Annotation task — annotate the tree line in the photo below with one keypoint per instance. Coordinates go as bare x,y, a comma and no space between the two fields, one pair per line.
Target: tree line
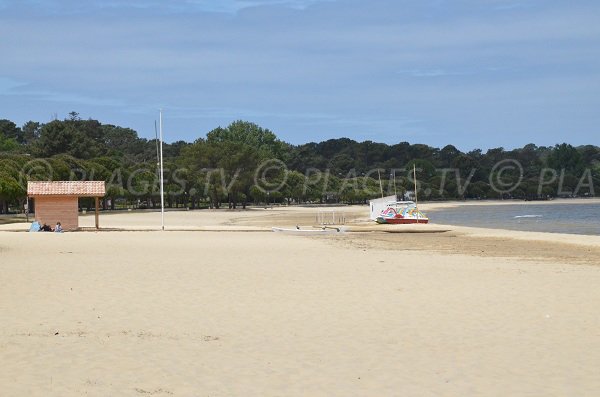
244,163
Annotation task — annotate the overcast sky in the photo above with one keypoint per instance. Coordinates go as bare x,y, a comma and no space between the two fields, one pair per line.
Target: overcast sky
472,73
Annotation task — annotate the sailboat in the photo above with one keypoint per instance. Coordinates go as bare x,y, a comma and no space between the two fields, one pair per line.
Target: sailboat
397,212
401,212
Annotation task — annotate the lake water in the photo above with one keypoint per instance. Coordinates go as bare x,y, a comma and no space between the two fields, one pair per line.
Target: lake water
552,218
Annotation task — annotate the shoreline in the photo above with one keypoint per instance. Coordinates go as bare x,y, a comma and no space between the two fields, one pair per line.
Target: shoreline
262,219
472,241
432,206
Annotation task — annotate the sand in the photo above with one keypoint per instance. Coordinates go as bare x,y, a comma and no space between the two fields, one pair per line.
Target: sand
241,311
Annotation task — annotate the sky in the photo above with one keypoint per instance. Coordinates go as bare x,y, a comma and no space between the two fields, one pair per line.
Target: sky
471,73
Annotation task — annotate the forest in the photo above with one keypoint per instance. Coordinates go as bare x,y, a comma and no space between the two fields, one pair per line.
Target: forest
244,164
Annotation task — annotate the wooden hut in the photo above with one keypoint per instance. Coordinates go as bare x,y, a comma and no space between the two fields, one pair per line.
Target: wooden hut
58,201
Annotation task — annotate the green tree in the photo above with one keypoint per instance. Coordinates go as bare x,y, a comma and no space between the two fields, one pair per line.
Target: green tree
9,130
249,134
565,156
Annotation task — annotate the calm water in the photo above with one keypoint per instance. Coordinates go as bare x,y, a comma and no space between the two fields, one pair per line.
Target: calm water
553,218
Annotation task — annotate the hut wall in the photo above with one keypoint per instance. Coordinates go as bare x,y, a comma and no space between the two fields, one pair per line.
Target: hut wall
54,209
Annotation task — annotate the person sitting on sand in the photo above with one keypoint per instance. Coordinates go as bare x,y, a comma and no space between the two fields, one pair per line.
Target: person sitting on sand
46,228
58,228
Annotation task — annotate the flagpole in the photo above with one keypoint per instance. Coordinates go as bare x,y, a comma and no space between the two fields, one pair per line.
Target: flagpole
416,198
162,191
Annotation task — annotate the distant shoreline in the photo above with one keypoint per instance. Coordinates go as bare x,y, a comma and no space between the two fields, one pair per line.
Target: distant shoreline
425,205
435,205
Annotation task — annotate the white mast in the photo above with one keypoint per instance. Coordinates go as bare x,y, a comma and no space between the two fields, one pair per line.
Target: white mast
416,199
162,191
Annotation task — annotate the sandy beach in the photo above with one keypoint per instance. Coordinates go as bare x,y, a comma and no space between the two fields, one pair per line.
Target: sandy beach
218,305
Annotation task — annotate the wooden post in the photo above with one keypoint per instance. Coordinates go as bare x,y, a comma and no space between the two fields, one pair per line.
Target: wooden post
97,209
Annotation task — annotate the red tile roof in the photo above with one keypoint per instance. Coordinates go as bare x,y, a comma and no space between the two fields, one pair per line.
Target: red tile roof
67,188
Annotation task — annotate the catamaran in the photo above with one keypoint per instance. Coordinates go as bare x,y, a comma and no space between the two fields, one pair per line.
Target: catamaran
401,212
388,210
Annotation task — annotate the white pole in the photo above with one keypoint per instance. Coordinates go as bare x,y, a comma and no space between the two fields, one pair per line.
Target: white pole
416,198
162,189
